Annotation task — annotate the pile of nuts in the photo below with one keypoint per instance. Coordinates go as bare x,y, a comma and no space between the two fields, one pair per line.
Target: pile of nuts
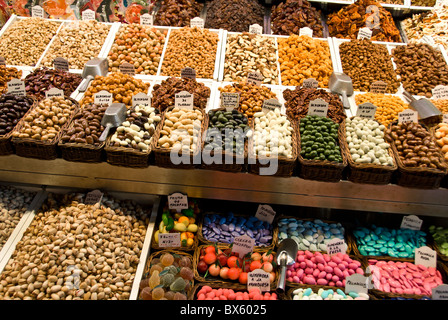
139,45
423,3
122,86
420,67
302,57
6,75
44,121
248,52
251,96
366,62
13,204
441,104
43,79
399,2
24,42
12,109
86,125
234,15
138,129
74,251
163,94
190,47
77,42
297,102
289,16
177,13
441,135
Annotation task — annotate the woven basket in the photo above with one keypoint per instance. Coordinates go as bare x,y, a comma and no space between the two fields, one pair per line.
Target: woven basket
162,156
203,240
322,170
45,150
286,166
416,177
367,172
238,161
235,287
289,294
158,254
444,182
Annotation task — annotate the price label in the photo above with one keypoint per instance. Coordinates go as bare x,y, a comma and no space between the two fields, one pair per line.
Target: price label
2,61
258,279
335,246
177,201
60,63
93,197
306,32
445,118
426,257
243,245
255,78
103,97
37,12
230,100
318,107
54,92
366,110
127,68
310,83
411,222
147,19
256,29
408,115
364,33
440,92
184,100
16,87
197,22
357,283
141,99
88,15
378,87
265,213
188,72
440,292
169,240
270,105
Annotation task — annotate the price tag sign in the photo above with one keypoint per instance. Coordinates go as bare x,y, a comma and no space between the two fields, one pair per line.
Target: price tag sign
88,15
188,73
141,99
230,100
184,100
270,105
177,201
54,92
306,32
197,22
37,12
445,118
364,33
103,97
378,87
127,68
440,92
411,222
366,110
169,240
258,279
147,19
16,87
310,83
243,245
318,107
335,246
255,78
426,257
357,283
93,197
408,115
2,61
256,29
60,63
440,292
265,213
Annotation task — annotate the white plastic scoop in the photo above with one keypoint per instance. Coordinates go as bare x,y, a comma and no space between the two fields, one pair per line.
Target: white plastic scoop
286,256
114,116
341,83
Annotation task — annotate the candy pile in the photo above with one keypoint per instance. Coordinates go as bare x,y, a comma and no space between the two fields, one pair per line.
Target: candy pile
329,294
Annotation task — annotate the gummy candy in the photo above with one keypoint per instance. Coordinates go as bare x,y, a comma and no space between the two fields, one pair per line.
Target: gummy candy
158,293
185,262
154,280
178,285
167,279
179,296
146,293
171,269
167,259
169,295
186,273
158,267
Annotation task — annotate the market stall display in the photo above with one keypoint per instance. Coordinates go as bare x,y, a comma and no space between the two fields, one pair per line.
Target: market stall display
177,13
6,75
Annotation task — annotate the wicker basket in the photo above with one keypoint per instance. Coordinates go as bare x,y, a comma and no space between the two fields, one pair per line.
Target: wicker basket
322,170
162,156
417,177
238,161
286,166
233,286
289,294
444,182
367,172
45,150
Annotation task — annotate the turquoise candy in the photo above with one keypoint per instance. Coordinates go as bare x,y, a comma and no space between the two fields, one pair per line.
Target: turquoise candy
403,255
398,245
307,292
391,253
362,251
325,294
383,250
353,294
339,291
390,243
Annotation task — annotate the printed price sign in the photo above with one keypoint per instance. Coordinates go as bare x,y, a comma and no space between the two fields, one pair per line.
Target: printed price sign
141,99
54,92
440,92
426,257
230,100
243,245
256,29
265,213
169,240
378,87
408,115
306,32
335,246
440,292
60,63
364,33
357,283
258,279
103,97
197,22
16,87
184,100
188,73
147,19
93,197
177,201
2,61
411,222
318,107
310,83
88,15
366,110
270,105
255,78
37,12
127,68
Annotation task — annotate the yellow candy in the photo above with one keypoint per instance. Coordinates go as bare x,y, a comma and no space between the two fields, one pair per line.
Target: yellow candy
184,220
180,227
190,242
156,236
192,228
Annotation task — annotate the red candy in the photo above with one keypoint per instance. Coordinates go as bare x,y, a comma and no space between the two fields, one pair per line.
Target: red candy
208,293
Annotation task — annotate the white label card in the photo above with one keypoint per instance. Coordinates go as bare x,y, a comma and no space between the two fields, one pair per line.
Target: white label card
230,100
265,213
103,97
188,72
364,33
318,107
357,283
440,92
88,15
440,292
270,105
54,92
310,83
93,197
141,99
60,63
16,87
177,201
426,257
378,87
197,22
2,61
169,240
258,279
306,32
37,12
127,68
408,115
255,78
366,110
335,246
147,19
184,100
411,222
256,29
243,245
